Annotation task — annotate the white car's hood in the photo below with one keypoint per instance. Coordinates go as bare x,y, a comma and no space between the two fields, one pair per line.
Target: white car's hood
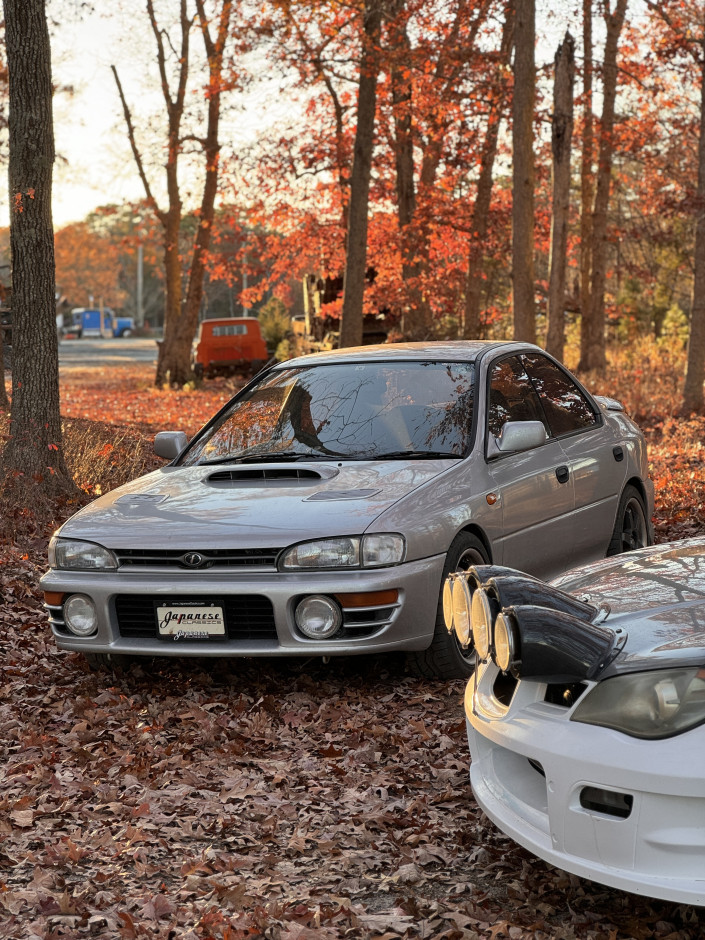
248,505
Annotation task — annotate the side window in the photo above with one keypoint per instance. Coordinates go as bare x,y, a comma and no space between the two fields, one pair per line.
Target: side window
512,396
567,409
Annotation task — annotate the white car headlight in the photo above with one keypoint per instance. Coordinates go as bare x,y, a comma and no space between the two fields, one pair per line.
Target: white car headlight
658,704
368,551
78,555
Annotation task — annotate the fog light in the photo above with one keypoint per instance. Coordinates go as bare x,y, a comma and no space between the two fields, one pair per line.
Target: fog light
80,615
318,618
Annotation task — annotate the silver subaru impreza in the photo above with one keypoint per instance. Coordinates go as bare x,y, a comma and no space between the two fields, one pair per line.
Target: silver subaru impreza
319,512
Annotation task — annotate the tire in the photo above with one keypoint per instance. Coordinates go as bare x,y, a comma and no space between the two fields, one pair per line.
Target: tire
445,658
100,662
631,529
198,370
125,334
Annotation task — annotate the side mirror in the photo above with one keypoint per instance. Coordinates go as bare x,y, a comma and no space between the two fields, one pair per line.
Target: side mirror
169,444
519,435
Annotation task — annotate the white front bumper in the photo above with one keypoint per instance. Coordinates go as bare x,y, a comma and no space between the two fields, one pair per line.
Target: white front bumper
657,851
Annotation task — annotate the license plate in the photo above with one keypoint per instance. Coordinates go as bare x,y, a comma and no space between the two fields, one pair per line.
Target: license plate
190,621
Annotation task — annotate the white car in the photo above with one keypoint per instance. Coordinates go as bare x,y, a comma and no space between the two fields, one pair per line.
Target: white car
586,714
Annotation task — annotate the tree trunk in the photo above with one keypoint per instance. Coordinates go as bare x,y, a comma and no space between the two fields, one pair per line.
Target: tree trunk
356,261
562,133
595,350
181,314
587,185
479,224
4,402
35,445
178,360
523,173
695,369
413,317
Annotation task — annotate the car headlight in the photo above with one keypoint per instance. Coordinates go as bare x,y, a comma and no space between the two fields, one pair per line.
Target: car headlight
367,551
657,704
79,555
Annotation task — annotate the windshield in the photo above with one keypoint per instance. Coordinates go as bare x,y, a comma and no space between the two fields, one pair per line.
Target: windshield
362,411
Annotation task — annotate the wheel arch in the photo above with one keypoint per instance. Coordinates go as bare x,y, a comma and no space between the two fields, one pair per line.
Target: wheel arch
479,533
638,485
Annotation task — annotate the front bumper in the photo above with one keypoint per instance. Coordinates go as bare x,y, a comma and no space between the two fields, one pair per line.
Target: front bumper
532,770
406,624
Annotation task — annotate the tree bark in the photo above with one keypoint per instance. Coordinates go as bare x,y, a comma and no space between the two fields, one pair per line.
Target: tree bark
594,357
4,401
523,173
356,260
695,369
35,446
587,183
479,223
562,133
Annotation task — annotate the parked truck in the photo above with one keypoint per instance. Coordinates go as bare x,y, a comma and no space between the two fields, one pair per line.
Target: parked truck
93,322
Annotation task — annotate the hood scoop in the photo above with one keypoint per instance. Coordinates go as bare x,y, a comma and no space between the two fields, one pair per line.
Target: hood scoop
268,476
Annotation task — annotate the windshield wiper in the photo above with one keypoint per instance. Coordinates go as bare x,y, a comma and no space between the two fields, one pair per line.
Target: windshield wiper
274,456
415,455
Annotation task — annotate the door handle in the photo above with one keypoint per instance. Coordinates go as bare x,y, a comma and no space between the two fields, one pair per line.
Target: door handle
562,474
618,453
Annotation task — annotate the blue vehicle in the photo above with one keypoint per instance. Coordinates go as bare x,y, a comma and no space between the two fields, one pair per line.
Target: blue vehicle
93,322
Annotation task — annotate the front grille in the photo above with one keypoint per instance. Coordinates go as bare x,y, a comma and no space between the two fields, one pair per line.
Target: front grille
212,558
247,616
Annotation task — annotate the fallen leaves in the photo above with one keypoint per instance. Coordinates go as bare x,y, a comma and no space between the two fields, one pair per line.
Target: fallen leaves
258,799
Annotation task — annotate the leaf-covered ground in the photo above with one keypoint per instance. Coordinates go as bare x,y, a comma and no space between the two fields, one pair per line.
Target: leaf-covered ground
259,799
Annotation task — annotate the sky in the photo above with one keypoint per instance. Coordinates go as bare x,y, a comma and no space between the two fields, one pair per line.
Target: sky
94,163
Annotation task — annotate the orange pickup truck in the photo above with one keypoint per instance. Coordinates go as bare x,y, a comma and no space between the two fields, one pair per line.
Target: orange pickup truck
231,344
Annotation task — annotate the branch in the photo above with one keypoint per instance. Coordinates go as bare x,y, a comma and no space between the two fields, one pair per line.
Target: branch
135,152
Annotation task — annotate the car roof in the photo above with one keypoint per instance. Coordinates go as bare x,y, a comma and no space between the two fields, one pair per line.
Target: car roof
444,351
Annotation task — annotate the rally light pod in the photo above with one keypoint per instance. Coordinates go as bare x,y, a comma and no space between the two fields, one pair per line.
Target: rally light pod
553,646
515,589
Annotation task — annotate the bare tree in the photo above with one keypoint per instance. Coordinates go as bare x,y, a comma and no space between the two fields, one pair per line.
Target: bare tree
182,306
523,172
35,446
356,261
562,133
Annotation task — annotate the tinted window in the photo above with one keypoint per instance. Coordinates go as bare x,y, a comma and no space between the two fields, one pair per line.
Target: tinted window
360,410
512,396
567,409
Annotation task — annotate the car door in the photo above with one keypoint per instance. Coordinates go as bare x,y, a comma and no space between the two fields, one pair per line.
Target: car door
534,487
595,456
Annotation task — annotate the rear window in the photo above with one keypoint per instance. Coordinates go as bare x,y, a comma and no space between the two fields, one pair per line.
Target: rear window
230,329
